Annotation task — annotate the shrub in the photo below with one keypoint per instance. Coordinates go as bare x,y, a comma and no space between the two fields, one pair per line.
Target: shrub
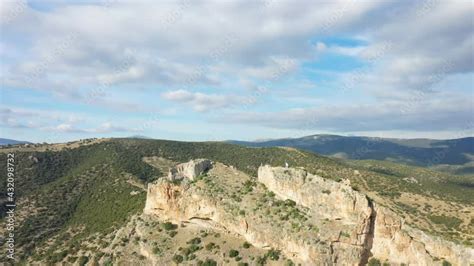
208,262
233,253
374,262
446,263
273,254
195,241
210,246
246,245
83,260
169,226
178,258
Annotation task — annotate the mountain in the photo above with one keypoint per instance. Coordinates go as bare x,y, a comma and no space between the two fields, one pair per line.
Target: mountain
455,155
12,142
143,202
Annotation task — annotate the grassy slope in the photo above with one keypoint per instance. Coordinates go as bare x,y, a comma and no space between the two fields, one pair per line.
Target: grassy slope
85,187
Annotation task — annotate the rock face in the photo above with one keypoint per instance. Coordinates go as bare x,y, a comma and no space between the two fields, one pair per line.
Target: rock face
384,233
337,201
189,170
351,228
397,242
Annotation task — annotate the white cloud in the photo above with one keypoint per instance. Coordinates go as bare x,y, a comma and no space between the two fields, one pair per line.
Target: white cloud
186,46
440,113
201,102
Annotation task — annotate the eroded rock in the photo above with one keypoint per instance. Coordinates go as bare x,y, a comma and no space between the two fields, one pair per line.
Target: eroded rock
351,228
189,170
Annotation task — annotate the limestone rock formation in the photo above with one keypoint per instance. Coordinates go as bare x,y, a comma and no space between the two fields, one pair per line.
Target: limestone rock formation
189,170
312,220
384,233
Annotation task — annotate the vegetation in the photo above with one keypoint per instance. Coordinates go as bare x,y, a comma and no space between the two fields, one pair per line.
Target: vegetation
88,189
374,262
233,253
448,221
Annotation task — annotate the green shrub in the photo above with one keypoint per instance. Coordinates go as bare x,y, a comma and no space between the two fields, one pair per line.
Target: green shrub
178,258
83,260
233,253
169,226
195,241
446,263
374,262
273,254
210,246
208,262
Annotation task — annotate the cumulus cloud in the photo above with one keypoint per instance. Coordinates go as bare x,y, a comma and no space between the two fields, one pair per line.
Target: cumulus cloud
185,46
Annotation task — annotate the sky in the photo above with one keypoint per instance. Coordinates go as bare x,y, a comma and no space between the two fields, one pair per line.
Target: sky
246,70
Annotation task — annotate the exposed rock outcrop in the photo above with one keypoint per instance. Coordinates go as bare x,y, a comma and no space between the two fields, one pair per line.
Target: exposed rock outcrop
189,170
384,233
350,227
397,242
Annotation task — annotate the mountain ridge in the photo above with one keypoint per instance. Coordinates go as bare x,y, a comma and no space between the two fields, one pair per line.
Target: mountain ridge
455,155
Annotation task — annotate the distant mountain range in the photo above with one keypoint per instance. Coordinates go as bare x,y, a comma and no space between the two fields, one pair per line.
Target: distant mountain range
11,142
455,155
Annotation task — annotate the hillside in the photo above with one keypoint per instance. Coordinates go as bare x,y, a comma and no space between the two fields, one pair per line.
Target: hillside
75,200
12,142
455,156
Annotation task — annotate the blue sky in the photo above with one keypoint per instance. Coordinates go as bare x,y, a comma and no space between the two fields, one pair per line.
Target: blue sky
215,70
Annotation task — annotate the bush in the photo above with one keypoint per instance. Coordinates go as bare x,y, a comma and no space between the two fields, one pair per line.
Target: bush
446,263
273,254
374,262
169,226
178,258
233,253
210,246
246,245
208,262
194,241
83,260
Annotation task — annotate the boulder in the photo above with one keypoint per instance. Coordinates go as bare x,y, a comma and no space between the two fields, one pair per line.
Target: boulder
189,170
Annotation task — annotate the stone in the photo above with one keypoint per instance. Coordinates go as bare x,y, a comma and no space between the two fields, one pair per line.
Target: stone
189,170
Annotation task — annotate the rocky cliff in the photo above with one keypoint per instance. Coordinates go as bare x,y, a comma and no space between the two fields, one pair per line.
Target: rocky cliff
189,170
383,232
312,220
